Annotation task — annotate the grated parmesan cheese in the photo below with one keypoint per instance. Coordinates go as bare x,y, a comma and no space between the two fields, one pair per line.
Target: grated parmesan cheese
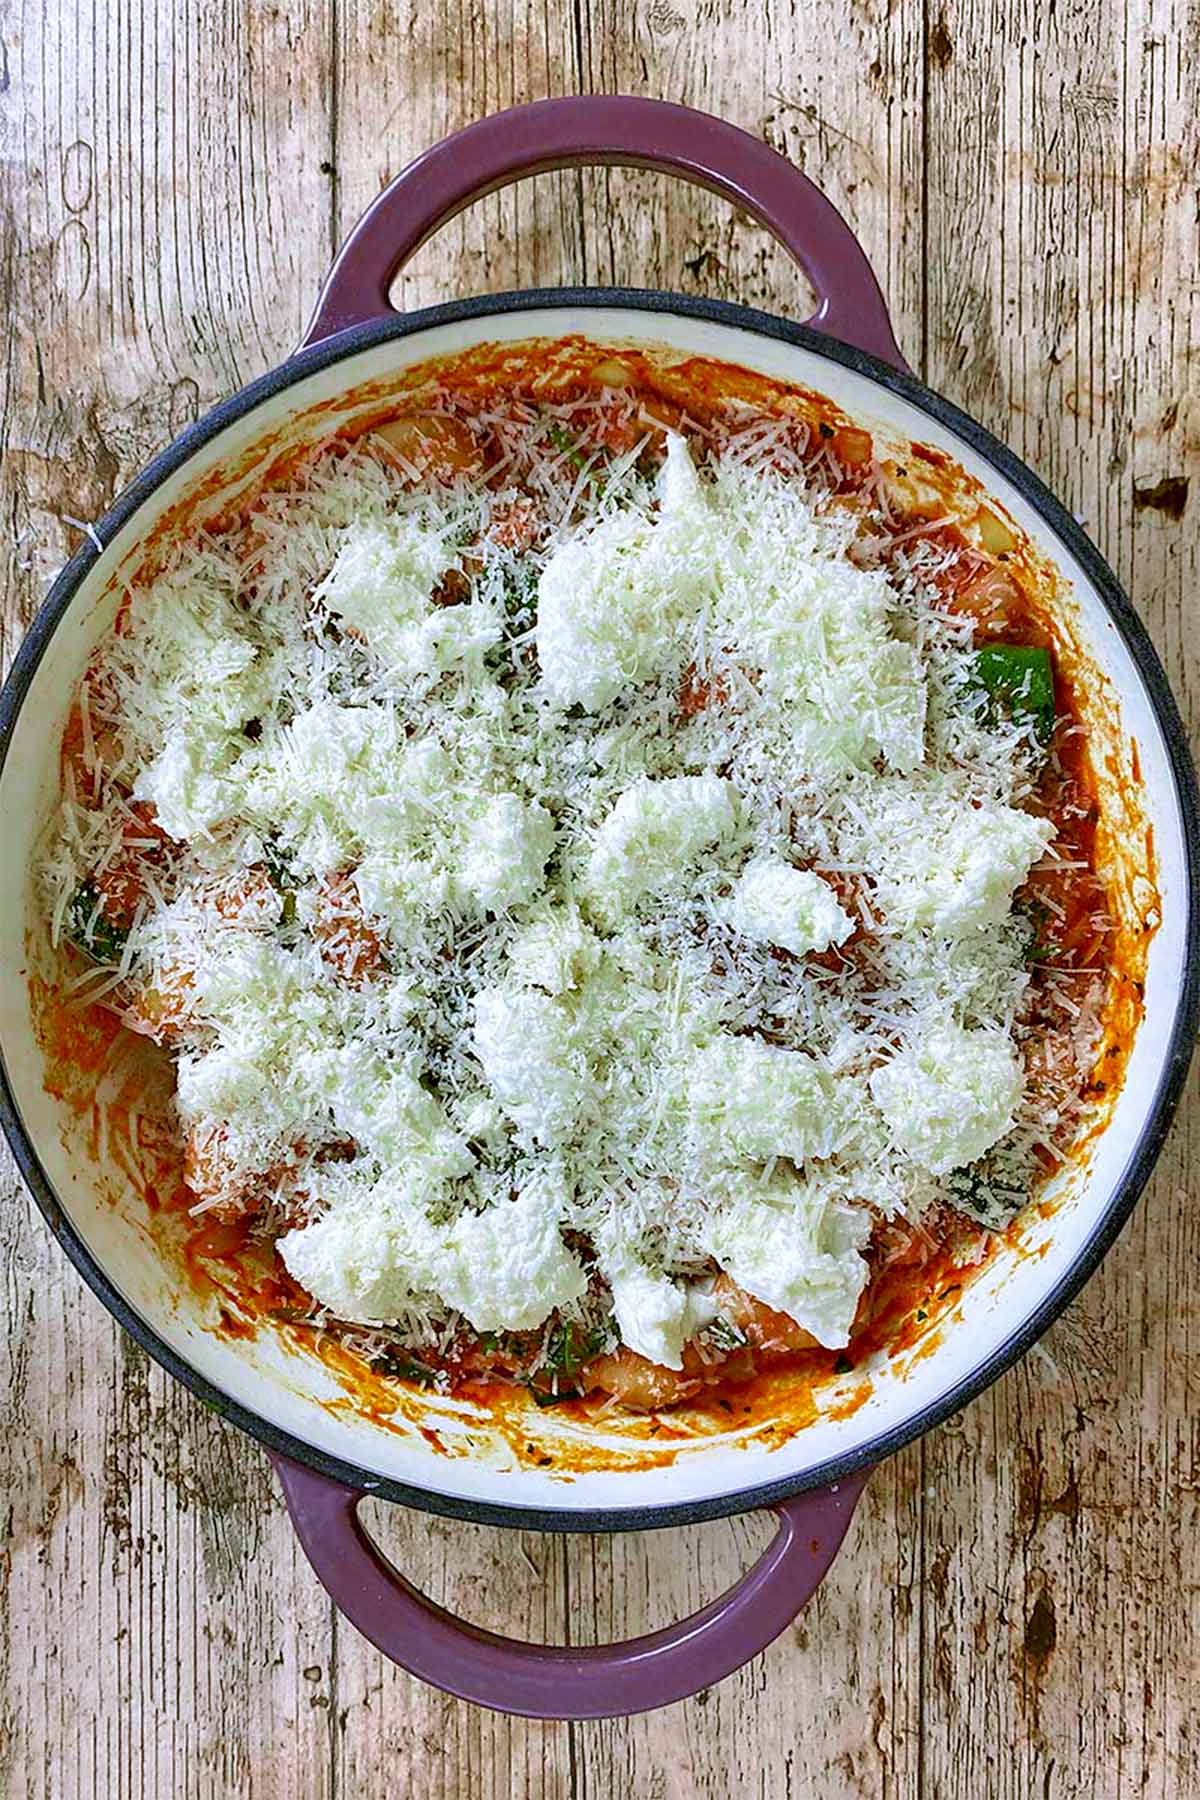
653,836
525,1043
937,860
550,997
751,1099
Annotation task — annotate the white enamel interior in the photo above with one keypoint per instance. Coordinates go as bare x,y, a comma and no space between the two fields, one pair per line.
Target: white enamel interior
286,1389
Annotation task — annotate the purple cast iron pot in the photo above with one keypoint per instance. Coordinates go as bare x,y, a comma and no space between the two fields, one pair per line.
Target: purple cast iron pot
326,1462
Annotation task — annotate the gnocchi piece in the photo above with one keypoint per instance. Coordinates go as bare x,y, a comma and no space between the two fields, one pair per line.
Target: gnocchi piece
160,1010
348,941
220,1180
646,1386
515,525
431,444
765,1329
641,1384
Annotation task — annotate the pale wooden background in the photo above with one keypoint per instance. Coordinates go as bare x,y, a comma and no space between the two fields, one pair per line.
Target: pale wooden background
1016,1612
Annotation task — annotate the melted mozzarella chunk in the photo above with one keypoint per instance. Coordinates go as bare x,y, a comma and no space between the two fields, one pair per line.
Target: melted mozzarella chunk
506,1268
393,1118
835,687
203,679
200,668
773,903
656,1316
320,780
655,834
754,1099
948,1094
611,600
367,1257
555,951
265,1007
598,631
507,848
193,783
381,587
384,574
939,862
375,1255
794,1245
526,1045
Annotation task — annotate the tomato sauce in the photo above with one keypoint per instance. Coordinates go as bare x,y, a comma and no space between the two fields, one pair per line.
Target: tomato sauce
917,1274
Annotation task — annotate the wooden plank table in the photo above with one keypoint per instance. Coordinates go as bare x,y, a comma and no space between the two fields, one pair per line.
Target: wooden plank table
1016,1613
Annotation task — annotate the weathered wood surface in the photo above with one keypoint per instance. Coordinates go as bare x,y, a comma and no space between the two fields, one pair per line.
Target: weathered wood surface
1016,1612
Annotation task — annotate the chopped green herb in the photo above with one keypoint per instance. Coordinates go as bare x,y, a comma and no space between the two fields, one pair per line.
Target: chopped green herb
90,928
1022,676
548,1397
568,1347
278,863
1035,917
401,1367
1035,913
564,442
519,588
843,1366
509,659
722,1334
987,1194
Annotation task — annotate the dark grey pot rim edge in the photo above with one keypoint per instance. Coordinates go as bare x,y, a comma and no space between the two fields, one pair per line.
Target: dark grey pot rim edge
1144,1151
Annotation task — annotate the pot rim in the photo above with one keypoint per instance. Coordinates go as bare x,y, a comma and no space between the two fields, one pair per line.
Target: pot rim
1143,1152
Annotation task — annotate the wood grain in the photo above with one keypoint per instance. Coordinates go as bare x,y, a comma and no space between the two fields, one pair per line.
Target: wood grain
1063,309
1016,1612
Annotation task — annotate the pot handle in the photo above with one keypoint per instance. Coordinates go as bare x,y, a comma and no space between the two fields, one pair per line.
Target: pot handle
608,128
545,1681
